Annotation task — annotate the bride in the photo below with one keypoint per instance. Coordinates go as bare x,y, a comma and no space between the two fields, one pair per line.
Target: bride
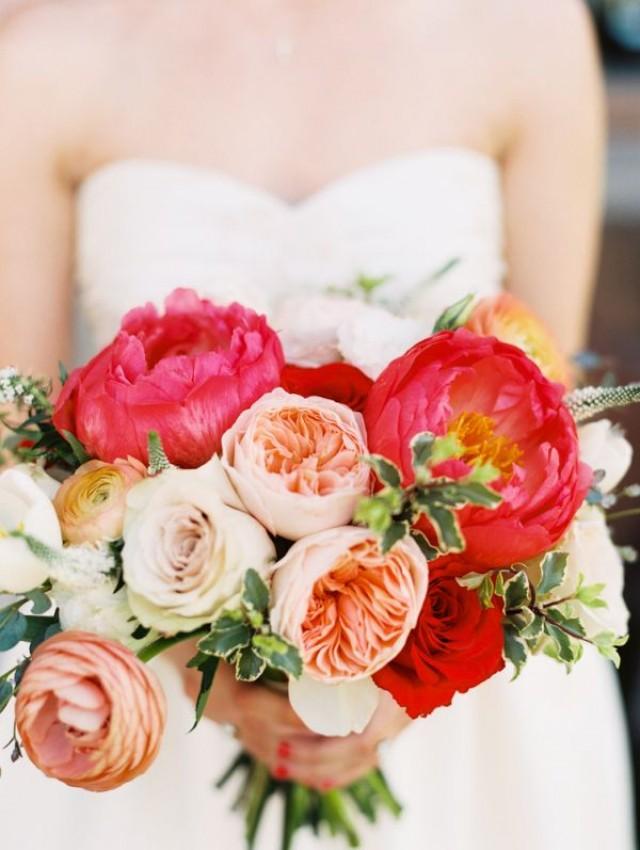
258,148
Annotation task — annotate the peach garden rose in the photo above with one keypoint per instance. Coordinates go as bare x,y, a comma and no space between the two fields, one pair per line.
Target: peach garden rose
89,713
349,609
91,503
296,463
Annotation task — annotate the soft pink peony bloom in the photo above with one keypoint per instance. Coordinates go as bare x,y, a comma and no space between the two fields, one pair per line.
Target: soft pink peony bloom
296,462
91,503
89,713
348,607
504,413
186,374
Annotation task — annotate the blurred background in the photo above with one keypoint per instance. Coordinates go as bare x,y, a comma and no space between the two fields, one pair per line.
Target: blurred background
615,325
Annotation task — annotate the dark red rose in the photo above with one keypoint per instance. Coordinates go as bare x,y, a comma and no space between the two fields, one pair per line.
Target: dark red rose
456,646
338,381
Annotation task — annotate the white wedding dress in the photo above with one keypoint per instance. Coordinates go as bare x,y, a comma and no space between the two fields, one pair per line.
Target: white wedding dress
540,764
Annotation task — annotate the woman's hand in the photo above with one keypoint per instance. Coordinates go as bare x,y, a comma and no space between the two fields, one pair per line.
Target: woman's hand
268,728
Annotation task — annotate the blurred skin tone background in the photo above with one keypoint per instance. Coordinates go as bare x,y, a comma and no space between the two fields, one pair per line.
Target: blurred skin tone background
615,324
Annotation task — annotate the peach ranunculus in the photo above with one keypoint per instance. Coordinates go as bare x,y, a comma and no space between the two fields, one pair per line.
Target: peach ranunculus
91,503
89,713
349,609
296,463
508,319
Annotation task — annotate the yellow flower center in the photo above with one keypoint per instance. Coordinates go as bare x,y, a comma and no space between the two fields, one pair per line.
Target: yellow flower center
481,446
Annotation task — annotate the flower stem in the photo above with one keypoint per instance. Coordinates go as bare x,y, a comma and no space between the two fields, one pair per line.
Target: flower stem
163,644
6,675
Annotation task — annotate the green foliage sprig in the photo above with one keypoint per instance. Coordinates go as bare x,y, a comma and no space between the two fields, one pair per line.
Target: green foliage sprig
394,510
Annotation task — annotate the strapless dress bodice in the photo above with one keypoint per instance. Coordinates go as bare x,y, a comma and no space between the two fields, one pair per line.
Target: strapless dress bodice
147,226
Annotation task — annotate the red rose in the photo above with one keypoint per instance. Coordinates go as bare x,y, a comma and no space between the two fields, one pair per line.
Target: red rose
338,381
456,646
186,374
504,412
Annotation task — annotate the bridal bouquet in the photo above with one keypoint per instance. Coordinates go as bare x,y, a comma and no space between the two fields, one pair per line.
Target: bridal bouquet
331,525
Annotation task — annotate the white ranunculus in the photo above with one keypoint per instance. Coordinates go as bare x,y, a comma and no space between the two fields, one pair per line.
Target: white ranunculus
334,710
25,507
186,552
592,553
604,446
372,339
45,482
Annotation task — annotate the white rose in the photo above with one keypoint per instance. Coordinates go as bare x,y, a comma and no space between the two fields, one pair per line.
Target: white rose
371,340
592,553
36,473
604,446
309,326
186,552
24,506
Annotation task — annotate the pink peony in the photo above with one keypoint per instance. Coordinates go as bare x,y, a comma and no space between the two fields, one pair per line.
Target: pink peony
186,374
89,713
504,413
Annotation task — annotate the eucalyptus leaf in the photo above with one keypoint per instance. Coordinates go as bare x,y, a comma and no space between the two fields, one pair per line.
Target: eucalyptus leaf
13,626
40,601
6,692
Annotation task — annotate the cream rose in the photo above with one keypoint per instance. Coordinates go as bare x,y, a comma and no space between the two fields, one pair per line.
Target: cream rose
592,553
296,463
604,446
25,507
91,503
186,552
349,609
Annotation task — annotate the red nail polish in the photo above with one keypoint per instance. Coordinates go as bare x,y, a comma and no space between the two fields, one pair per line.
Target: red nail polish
284,749
327,785
281,772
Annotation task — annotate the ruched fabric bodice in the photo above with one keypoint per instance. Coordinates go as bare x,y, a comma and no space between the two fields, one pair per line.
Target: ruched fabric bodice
145,227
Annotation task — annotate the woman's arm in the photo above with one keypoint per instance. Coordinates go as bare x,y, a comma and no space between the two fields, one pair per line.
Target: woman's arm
554,164
35,209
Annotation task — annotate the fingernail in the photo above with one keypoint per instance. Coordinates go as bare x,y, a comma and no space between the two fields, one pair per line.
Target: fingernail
327,785
284,749
281,772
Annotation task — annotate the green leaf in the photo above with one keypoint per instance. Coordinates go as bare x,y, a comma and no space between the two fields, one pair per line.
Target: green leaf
514,649
225,640
397,531
572,623
430,552
208,669
13,626
79,451
249,666
562,642
516,591
446,526
387,472
279,654
590,595
63,373
607,643
486,592
373,512
40,600
36,630
533,629
499,589
446,448
6,692
483,473
472,581
478,494
456,315
421,448
554,567
256,592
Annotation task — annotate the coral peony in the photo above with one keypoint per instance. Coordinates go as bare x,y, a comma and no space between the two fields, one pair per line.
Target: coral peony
456,645
338,381
508,319
504,414
186,374
89,712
